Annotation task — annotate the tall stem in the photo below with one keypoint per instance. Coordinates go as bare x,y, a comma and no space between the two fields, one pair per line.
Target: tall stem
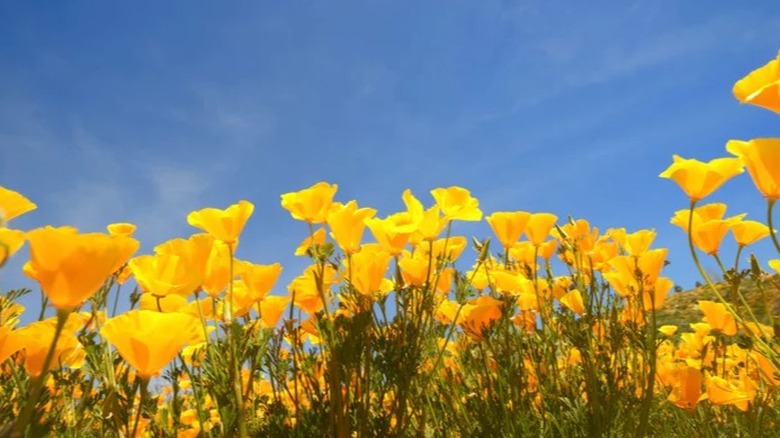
772,232
235,365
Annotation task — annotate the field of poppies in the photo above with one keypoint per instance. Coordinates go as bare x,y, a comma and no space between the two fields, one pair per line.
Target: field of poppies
550,331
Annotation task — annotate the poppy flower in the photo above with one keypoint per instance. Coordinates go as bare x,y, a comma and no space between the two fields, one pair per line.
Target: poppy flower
149,340
225,225
312,204
347,223
71,267
13,204
457,203
762,159
761,87
508,226
698,179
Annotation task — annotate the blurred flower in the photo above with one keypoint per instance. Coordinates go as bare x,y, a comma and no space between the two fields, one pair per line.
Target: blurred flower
10,242
722,392
121,229
762,159
573,301
317,238
10,342
761,87
718,317
13,204
686,386
479,315
38,337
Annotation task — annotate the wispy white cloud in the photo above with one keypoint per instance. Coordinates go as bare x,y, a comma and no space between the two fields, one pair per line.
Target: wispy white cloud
590,44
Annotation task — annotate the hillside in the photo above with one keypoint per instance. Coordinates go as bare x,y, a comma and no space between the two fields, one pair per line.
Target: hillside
681,308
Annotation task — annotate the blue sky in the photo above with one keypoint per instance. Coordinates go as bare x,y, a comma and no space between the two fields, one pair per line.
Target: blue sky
145,111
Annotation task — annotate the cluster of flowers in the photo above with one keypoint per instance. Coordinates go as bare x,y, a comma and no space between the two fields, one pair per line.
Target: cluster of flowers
200,308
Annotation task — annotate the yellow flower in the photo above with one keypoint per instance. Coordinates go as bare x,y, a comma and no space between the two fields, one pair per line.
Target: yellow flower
13,204
10,242
445,248
709,235
762,159
479,315
457,203
654,298
312,204
761,87
271,309
165,304
523,252
719,317
9,312
635,243
10,342
697,179
225,225
69,266
317,238
722,392
366,271
573,300
347,223
260,279
707,226
149,340
430,223
217,275
508,226
748,232
37,338
538,227
242,302
393,232
195,251
774,264
304,288
165,274
121,229
686,386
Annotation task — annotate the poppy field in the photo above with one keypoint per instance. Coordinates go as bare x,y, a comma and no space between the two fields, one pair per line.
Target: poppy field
550,330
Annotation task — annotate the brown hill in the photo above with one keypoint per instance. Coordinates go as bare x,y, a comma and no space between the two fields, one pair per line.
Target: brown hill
761,295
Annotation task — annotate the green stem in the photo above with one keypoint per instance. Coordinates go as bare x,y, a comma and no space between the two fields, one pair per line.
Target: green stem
144,393
772,232
765,349
234,346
